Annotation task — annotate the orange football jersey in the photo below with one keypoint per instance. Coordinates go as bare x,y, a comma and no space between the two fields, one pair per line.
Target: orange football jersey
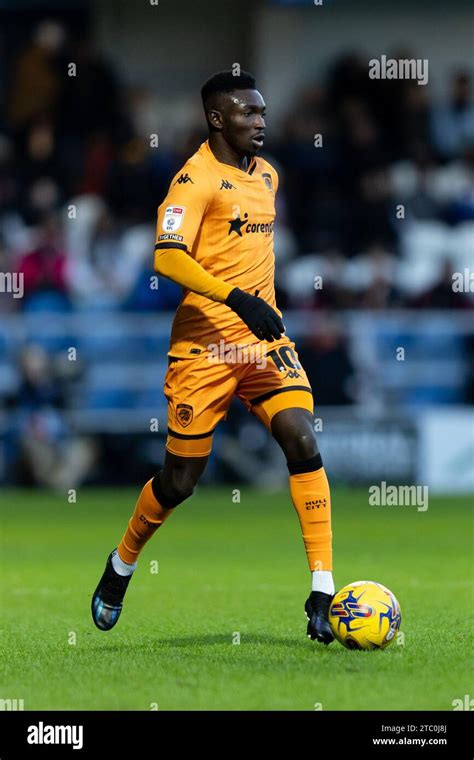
224,218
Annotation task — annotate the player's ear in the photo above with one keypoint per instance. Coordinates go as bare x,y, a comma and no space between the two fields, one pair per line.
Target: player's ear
215,118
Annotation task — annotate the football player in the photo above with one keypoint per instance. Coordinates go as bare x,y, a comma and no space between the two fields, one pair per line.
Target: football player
215,238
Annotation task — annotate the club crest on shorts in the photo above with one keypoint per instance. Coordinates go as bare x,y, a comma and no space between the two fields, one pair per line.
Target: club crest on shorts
184,413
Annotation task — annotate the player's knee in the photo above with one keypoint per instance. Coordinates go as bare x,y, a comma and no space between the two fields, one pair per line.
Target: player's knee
301,445
182,489
171,488
180,484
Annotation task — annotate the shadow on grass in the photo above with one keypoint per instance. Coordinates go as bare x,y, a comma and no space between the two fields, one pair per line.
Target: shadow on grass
212,640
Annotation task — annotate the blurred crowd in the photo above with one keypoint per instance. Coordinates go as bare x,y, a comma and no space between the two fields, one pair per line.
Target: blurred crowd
42,446
375,213
382,211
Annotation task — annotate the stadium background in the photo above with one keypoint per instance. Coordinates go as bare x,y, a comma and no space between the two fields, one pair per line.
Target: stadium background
83,353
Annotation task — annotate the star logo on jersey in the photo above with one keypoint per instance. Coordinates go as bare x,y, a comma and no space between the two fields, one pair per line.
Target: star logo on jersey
226,185
183,178
237,223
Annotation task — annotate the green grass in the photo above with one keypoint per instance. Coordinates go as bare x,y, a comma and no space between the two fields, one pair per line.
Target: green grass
225,568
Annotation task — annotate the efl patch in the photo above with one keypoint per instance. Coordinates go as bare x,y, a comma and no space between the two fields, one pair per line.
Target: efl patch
173,218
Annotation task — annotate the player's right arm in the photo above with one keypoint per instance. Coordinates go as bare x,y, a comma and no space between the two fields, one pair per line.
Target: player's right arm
178,266
179,218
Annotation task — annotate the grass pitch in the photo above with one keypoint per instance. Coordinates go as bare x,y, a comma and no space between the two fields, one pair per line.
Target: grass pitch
228,572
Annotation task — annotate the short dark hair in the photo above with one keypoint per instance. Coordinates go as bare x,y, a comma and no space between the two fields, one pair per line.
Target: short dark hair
226,81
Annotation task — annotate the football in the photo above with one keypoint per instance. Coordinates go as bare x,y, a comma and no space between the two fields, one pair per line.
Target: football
365,615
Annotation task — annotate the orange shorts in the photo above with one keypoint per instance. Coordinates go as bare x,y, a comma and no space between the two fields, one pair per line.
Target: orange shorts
199,391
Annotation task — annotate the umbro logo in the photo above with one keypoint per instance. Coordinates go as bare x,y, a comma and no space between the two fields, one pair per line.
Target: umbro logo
227,185
183,178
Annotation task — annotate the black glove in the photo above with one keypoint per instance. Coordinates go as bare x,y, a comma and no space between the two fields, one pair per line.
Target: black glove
259,317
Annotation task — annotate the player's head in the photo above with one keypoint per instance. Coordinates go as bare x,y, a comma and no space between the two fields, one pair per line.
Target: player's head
235,109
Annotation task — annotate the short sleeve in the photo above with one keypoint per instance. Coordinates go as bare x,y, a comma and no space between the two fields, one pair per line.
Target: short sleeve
181,213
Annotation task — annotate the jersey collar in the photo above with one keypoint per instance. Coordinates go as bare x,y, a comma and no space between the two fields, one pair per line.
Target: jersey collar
251,168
